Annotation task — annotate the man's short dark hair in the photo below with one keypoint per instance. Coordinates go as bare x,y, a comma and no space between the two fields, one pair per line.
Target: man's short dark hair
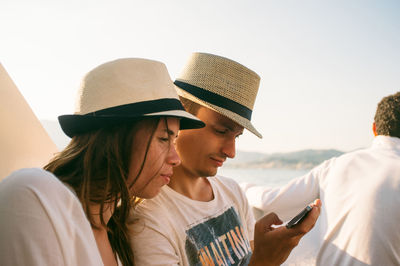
190,106
387,116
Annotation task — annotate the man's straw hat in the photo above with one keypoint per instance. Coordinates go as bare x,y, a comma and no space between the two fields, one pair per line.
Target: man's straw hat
222,85
125,90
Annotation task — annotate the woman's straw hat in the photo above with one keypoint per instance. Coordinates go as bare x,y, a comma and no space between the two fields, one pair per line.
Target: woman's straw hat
125,90
222,85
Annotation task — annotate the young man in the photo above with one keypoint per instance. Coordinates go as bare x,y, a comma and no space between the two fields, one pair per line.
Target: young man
361,195
200,218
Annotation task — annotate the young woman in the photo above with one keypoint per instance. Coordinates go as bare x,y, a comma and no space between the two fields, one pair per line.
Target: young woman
74,211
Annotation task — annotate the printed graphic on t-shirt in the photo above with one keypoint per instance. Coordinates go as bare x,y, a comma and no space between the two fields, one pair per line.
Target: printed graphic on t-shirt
218,241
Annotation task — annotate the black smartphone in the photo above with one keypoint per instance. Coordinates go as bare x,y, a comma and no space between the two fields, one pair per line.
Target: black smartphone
299,217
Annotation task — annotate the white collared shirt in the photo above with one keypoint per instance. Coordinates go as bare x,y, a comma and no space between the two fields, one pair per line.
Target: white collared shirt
360,215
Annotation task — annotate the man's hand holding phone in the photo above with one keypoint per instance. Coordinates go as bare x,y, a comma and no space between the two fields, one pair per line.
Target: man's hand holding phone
299,217
272,245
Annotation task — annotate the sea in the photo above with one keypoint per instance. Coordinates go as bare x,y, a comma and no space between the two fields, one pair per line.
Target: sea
262,176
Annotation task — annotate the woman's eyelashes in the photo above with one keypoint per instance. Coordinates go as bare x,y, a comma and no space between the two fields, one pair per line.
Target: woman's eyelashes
164,138
167,139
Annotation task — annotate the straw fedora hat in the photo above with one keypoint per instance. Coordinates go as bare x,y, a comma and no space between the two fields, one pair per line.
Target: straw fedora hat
124,90
222,85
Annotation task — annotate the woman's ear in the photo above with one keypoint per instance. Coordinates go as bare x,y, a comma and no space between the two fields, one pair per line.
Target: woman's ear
374,129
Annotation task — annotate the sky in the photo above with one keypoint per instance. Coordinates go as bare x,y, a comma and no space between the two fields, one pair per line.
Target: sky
324,65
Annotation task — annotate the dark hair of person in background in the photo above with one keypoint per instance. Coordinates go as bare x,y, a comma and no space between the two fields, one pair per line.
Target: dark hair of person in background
387,117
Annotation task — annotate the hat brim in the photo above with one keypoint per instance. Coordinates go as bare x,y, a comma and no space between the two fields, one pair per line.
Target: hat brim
225,112
75,124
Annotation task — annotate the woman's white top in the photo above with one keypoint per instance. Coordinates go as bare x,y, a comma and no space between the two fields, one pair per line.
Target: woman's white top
42,222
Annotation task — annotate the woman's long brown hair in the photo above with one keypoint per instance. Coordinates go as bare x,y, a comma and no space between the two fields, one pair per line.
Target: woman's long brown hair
96,165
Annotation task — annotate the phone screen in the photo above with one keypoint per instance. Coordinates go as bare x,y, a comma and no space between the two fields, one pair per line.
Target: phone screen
299,217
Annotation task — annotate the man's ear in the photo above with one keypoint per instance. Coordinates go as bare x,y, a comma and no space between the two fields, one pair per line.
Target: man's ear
374,129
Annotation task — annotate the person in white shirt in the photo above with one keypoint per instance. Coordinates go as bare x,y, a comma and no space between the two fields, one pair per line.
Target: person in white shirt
361,194
200,218
74,210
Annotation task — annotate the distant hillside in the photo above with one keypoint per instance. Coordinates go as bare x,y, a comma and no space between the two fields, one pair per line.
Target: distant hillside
304,159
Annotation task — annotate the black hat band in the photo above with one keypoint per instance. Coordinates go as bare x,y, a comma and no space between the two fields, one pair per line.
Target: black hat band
140,108
215,99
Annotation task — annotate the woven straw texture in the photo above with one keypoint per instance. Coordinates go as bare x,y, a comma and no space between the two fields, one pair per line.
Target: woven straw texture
224,77
123,81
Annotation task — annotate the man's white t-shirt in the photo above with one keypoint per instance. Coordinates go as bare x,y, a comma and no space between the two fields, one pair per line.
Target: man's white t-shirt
172,229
